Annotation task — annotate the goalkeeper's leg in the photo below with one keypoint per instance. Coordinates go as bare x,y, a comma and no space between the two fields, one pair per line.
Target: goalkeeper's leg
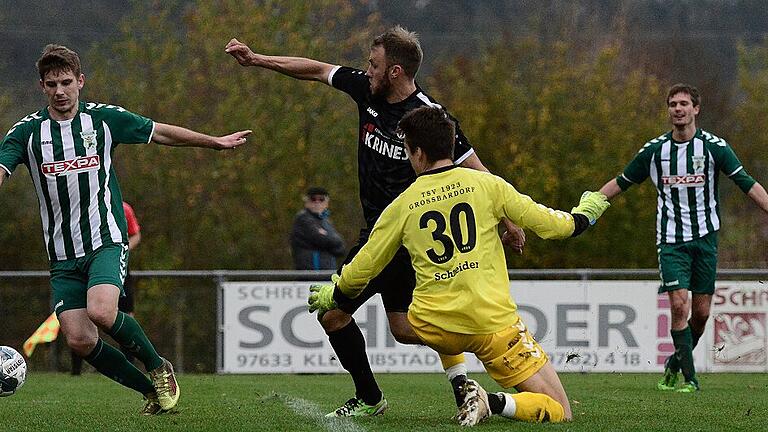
455,368
454,365
540,398
513,358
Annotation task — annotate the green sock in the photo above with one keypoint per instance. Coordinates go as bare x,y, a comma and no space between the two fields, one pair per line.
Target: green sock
110,362
673,363
695,337
684,353
127,332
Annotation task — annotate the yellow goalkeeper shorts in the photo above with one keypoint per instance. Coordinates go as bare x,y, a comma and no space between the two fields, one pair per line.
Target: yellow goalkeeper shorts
510,356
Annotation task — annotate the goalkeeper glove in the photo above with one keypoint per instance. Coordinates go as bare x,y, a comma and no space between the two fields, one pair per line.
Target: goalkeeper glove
321,297
592,205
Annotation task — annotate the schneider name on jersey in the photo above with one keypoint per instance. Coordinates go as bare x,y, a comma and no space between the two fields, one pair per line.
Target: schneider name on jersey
71,167
686,178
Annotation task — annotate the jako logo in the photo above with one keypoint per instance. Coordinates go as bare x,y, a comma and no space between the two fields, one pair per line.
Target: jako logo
372,112
684,180
85,163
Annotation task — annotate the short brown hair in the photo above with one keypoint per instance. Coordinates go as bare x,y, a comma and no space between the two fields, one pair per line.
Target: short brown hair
401,47
431,130
58,58
690,90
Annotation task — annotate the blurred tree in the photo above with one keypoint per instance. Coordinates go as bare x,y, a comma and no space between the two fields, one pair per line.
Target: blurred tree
206,209
20,229
745,243
232,210
555,121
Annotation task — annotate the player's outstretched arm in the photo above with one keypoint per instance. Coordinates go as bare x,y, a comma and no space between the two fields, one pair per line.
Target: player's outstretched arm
171,135
759,196
610,189
296,67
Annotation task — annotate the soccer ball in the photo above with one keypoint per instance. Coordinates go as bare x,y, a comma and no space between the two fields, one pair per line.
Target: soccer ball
13,371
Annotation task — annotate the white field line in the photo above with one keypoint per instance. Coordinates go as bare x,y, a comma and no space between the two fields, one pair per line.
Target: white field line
313,412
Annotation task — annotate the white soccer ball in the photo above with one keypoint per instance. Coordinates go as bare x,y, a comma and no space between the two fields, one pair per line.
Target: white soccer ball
13,371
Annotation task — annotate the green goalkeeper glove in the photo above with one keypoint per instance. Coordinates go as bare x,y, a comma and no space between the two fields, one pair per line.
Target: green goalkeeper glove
592,205
321,297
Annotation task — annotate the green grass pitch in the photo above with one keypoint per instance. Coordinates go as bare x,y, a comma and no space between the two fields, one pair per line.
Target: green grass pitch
419,402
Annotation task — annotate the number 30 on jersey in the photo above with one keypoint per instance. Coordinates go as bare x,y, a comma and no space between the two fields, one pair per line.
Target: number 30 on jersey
457,238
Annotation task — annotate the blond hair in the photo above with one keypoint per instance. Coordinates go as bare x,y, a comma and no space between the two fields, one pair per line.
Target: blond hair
401,47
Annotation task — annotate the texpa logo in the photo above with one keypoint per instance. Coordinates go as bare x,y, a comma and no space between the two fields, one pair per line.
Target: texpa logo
684,180
72,166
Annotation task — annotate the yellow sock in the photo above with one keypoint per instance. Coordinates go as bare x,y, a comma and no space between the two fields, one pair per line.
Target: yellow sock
533,407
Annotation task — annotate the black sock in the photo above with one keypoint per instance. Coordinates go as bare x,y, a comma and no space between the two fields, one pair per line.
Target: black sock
349,345
496,402
457,383
77,364
695,336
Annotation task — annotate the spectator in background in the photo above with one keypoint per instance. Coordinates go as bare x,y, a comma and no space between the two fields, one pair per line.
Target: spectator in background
315,243
126,303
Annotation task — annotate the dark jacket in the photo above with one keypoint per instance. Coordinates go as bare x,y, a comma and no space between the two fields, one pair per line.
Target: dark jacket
315,243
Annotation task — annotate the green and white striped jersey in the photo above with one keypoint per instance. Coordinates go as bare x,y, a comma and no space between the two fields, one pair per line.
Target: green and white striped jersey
71,167
686,179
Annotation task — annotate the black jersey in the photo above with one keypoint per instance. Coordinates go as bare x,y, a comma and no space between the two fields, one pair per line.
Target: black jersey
382,165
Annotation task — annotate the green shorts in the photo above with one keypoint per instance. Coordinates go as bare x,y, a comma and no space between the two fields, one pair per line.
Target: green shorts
690,265
71,279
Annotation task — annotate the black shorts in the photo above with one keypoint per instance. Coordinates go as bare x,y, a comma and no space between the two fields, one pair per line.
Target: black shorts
125,304
395,283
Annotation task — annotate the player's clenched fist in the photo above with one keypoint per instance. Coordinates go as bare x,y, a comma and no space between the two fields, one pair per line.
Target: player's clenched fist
240,52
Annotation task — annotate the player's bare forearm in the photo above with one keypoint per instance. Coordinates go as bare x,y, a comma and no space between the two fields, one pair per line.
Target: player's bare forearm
134,241
295,67
759,196
171,135
610,189
3,175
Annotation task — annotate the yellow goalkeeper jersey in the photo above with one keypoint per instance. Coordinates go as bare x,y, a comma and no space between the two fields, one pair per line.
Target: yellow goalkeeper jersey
448,219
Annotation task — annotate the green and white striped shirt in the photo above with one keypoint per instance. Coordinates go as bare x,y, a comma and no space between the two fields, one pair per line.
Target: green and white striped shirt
71,167
686,178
